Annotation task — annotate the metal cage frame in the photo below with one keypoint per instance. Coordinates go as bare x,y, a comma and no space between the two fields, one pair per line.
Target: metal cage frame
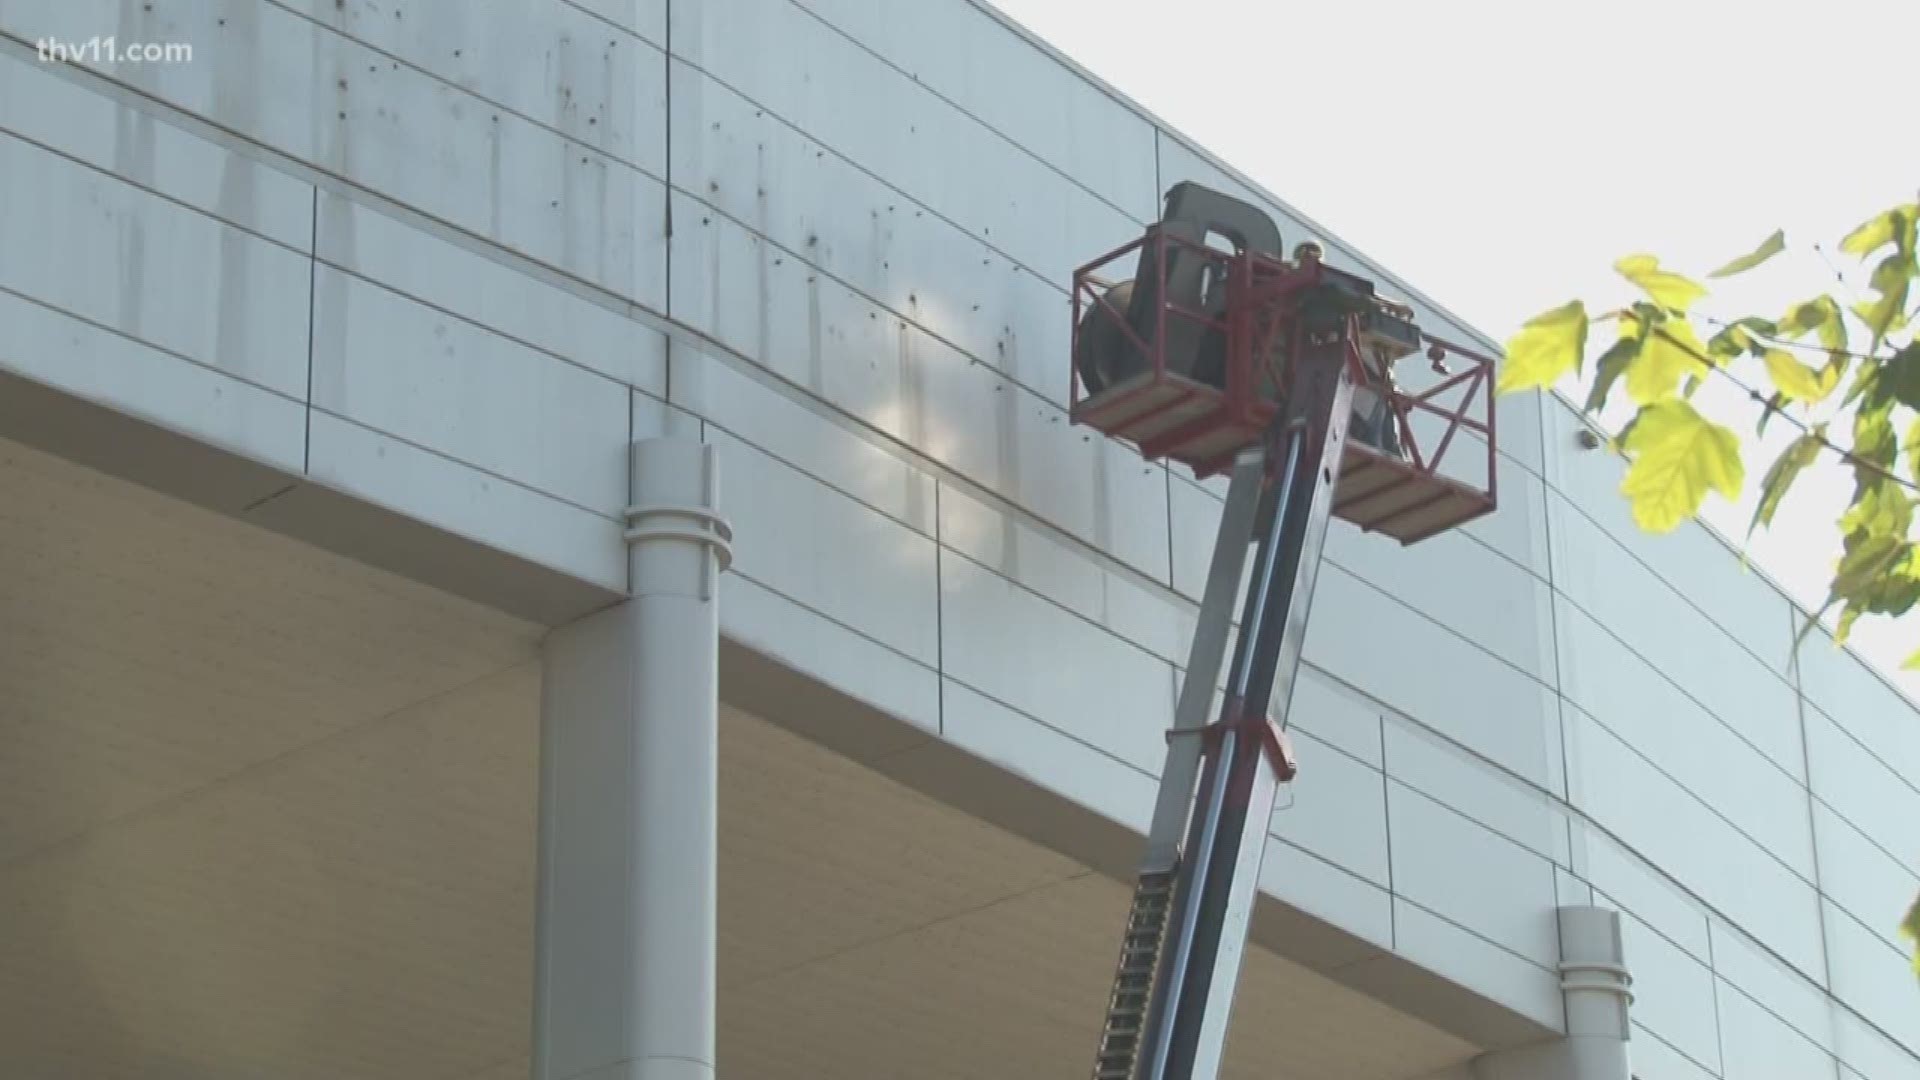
1261,304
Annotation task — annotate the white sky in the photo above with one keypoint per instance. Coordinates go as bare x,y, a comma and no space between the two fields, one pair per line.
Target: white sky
1501,154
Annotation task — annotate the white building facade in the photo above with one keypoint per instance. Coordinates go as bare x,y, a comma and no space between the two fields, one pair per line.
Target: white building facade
323,354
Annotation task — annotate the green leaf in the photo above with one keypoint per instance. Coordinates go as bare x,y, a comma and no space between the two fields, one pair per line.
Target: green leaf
1913,447
1771,246
1729,343
1813,316
1862,567
1844,626
1671,351
1782,473
1910,926
1820,315
1671,291
1895,226
1893,594
1876,577
1836,369
1798,382
1547,347
1881,509
1873,438
1613,363
1868,387
1900,376
1738,337
1874,448
1875,573
1678,456
1883,314
1886,312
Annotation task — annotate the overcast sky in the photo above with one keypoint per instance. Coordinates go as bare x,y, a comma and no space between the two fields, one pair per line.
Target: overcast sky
1501,154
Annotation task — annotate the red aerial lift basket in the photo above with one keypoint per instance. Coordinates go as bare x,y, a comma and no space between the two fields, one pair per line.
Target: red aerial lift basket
1436,481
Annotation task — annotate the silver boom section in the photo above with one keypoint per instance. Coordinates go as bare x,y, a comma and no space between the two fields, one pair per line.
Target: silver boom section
1187,929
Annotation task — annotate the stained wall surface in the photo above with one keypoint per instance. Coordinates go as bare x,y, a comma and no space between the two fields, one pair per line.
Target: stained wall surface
447,260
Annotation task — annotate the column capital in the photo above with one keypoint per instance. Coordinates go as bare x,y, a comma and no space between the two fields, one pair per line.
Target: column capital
1596,989
679,521
673,522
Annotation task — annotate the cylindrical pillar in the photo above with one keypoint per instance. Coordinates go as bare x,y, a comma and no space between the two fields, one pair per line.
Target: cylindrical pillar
626,933
1597,991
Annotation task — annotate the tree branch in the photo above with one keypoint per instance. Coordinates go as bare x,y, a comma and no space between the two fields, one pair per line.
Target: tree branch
1765,403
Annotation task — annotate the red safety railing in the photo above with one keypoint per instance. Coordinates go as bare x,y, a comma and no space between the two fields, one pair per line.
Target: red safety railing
1170,413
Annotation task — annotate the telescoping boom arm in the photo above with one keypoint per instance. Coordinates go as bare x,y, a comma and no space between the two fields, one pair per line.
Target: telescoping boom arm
1173,993
1279,371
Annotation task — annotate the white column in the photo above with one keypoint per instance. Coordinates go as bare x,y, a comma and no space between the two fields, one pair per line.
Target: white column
1597,990
626,925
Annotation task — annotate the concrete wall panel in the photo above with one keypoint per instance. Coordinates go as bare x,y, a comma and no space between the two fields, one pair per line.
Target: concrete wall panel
1673,994
1062,572
98,365
786,429
923,392
1030,749
1852,696
1619,592
1508,899
1368,639
120,257
1473,962
354,112
1034,656
880,119
552,62
804,640
431,269
1867,1052
1627,882
1690,561
1860,787
1874,978
822,549
825,215
961,53
1862,878
1491,797
1569,890
648,18
1323,890
1635,701
1336,808
399,367
1462,584
1653,1059
1798,1001
1673,829
1518,529
40,106
1758,1044
459,498
1337,714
